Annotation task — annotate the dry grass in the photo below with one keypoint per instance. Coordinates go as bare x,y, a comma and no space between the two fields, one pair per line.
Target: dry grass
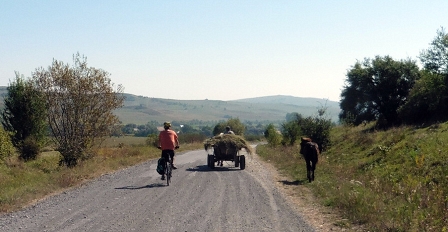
23,183
228,140
394,180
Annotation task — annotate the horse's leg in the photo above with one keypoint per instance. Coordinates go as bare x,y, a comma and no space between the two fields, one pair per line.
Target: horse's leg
308,170
313,167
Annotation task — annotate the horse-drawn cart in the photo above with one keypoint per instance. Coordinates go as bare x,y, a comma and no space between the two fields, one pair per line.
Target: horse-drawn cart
226,147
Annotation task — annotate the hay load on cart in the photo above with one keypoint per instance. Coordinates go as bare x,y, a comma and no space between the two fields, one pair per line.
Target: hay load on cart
227,147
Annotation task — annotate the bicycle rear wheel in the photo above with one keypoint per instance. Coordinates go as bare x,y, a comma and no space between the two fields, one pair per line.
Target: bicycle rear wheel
168,174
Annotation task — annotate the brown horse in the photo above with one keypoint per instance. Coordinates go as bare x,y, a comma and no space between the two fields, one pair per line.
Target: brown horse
310,151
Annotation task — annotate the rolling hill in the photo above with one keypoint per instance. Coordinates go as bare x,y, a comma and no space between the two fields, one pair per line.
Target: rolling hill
140,109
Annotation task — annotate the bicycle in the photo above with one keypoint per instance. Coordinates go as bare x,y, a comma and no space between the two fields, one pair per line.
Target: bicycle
168,166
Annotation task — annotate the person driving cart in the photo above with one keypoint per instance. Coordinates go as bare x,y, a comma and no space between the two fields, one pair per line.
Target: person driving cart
229,131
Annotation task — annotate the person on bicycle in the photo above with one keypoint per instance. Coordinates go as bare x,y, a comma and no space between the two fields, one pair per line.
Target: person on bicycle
168,141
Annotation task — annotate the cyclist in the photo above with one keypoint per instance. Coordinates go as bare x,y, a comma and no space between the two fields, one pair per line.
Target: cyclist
168,141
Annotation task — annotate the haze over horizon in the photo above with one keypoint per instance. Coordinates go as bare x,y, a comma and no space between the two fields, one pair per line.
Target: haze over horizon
195,50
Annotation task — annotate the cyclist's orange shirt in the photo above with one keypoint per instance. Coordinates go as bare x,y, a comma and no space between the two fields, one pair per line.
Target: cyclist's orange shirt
168,139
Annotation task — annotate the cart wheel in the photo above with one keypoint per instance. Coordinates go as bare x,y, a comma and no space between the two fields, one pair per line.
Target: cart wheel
237,161
242,162
212,161
208,160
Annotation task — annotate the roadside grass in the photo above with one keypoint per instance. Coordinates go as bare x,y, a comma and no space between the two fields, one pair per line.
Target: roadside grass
393,180
22,183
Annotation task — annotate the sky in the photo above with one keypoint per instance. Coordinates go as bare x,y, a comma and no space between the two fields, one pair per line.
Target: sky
216,50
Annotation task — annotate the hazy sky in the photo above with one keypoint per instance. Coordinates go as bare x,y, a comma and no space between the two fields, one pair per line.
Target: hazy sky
218,50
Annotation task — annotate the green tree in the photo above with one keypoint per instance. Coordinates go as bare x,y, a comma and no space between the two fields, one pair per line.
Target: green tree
272,136
435,58
291,131
235,124
187,129
318,129
24,115
315,127
207,131
375,89
80,102
428,99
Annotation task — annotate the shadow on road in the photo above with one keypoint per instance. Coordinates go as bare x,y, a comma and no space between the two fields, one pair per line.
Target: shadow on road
205,168
296,182
142,187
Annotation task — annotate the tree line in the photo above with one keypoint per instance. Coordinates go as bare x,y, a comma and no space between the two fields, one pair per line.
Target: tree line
394,93
72,105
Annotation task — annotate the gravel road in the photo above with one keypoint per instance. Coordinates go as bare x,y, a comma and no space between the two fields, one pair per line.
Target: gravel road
198,199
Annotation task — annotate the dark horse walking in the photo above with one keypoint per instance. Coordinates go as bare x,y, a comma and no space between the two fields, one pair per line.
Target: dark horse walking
310,151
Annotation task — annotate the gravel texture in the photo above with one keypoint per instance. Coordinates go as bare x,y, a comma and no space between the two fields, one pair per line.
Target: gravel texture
198,199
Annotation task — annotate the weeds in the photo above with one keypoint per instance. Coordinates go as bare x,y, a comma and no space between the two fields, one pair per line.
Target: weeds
394,180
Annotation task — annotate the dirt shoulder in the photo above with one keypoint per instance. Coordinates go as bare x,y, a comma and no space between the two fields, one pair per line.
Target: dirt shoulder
302,199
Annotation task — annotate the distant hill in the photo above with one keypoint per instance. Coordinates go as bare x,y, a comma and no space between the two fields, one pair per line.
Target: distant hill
140,109
298,101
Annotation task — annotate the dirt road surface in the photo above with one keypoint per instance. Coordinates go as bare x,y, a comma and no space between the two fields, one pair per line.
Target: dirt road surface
198,199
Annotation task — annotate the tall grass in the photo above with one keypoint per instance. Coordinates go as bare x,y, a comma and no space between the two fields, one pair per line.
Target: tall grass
24,182
394,180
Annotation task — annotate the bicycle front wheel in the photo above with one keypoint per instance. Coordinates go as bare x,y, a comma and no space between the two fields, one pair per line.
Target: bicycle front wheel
168,174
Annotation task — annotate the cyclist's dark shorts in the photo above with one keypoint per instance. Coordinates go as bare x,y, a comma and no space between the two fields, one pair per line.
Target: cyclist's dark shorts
166,153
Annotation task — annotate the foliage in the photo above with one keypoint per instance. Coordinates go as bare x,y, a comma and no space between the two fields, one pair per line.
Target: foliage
272,135
207,131
254,130
24,115
152,140
6,147
383,180
291,131
145,130
191,138
428,99
317,128
129,128
235,124
187,129
376,88
80,102
435,58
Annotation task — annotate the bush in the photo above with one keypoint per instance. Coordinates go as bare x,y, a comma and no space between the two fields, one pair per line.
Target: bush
29,149
273,137
6,147
317,128
152,140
